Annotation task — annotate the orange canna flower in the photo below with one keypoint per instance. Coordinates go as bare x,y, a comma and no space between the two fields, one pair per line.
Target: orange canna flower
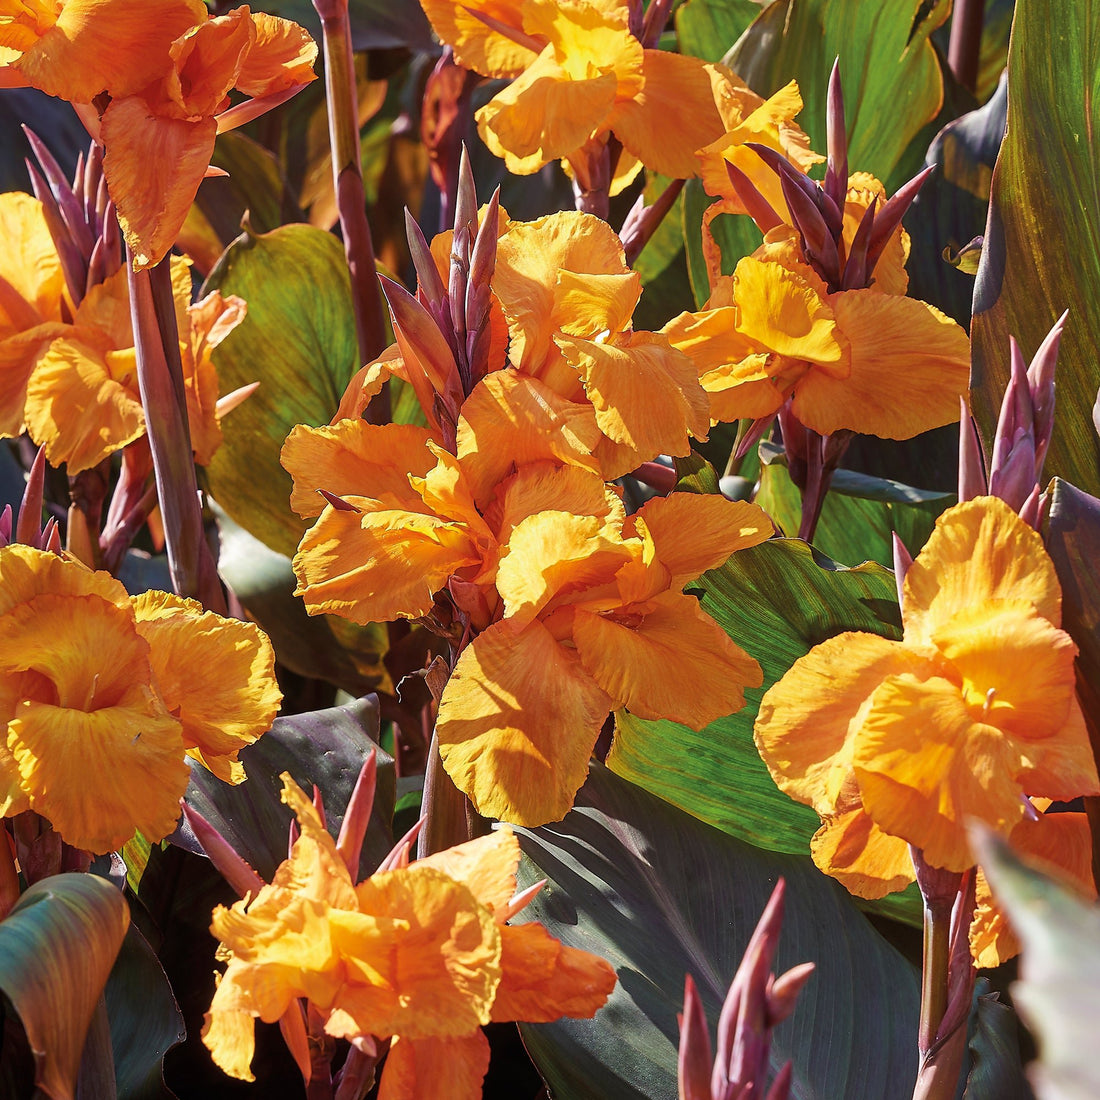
420,954
545,564
895,743
168,68
82,399
581,74
104,693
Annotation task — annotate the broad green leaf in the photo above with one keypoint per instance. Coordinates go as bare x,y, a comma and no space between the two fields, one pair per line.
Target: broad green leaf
1057,994
860,513
660,895
145,1020
57,946
889,70
322,646
324,748
951,209
1041,254
709,28
298,341
777,600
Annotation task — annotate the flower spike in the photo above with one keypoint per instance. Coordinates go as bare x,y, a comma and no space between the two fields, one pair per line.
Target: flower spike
357,816
836,170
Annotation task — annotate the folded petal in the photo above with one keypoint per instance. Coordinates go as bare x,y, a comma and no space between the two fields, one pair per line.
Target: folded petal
487,865
869,863
435,1069
517,724
924,765
230,1036
646,395
354,457
543,115
476,46
693,533
543,487
82,404
118,46
510,420
282,56
544,980
373,567
980,551
154,166
808,721
909,362
673,115
216,675
31,282
676,663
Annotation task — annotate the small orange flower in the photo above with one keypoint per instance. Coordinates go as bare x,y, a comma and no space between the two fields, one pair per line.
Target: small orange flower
895,743
104,693
420,954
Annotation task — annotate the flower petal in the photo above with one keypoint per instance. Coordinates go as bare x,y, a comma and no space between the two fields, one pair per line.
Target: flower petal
217,675
808,721
154,166
869,863
476,46
435,1069
693,533
910,364
677,663
487,865
354,457
517,724
980,551
544,980
282,56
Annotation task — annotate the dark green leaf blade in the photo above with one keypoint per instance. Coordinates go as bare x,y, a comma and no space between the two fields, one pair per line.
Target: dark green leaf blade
660,894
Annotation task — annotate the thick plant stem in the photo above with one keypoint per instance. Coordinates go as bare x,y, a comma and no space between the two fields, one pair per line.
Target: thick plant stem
343,129
965,45
445,815
164,401
934,971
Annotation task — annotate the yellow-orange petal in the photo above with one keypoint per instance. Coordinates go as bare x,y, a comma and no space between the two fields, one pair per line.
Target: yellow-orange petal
1062,845
118,46
18,356
673,115
543,115
510,420
97,752
366,382
200,384
543,487
216,675
677,663
154,166
554,553
867,862
205,63
979,551
532,258
807,723
924,765
373,567
910,364
33,284
229,1033
476,46
783,312
544,980
517,724
83,403
693,533
646,395
443,963
354,457
282,56
587,304
487,865
435,1068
